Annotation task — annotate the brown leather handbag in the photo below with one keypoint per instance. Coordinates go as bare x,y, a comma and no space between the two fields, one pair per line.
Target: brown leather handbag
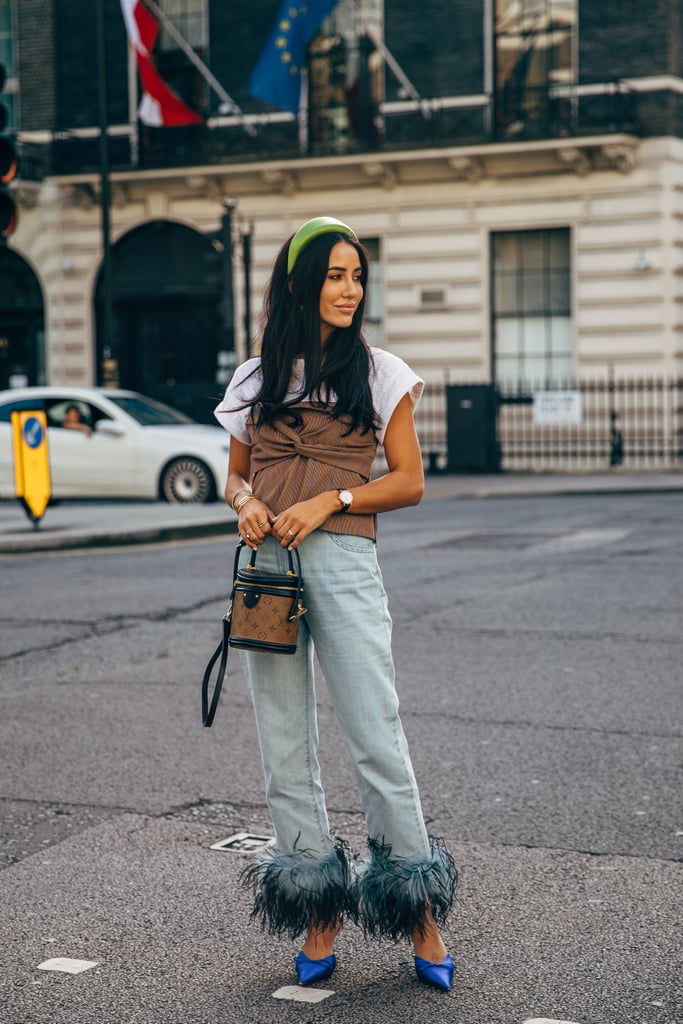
263,615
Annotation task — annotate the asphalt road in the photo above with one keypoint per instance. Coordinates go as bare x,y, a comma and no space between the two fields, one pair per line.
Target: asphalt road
539,646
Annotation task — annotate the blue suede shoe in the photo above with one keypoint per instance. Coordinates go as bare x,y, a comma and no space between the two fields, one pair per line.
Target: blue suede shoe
310,971
440,975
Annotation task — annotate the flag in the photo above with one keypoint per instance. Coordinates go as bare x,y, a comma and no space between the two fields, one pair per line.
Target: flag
277,75
159,106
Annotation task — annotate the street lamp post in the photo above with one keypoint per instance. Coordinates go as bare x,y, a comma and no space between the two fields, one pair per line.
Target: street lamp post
107,325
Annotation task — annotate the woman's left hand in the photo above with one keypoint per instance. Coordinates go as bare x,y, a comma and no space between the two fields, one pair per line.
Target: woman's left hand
296,522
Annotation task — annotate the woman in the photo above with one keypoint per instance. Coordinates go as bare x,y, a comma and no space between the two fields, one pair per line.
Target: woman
306,418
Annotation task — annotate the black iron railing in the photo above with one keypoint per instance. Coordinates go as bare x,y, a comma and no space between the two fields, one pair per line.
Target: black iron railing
634,423
538,113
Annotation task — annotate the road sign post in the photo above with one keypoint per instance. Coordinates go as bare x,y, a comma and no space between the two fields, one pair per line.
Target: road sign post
32,484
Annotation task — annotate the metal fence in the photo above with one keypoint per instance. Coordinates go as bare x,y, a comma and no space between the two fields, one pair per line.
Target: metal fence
635,423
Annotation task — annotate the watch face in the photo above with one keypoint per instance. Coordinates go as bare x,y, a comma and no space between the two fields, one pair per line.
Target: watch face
345,497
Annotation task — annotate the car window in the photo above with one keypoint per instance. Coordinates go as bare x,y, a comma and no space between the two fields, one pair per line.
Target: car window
147,412
58,409
73,413
7,408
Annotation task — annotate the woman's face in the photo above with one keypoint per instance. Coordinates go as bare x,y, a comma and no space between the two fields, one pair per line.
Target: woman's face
342,290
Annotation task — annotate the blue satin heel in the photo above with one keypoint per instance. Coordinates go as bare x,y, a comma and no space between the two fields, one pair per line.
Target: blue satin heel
310,971
440,975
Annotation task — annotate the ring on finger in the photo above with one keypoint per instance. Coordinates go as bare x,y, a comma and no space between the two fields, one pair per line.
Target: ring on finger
261,525
290,532
248,534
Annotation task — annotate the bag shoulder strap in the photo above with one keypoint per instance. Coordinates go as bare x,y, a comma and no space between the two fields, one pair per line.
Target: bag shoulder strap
208,713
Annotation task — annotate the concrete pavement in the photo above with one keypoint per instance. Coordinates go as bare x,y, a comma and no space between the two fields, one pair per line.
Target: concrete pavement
82,524
540,697
528,936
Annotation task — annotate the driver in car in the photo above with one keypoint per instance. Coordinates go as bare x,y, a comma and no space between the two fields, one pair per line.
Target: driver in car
73,420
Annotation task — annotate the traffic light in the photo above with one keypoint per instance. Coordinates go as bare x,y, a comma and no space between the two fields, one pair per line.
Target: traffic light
9,165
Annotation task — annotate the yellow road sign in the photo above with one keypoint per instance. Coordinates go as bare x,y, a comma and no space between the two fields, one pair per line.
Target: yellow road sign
32,484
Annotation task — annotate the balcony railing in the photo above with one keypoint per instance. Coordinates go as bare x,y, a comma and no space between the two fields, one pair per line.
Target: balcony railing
539,113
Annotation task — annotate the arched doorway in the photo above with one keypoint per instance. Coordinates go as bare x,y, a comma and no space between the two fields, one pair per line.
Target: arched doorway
169,340
22,334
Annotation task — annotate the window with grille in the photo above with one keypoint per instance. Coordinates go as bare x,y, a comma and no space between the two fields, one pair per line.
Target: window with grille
373,321
10,90
532,328
190,18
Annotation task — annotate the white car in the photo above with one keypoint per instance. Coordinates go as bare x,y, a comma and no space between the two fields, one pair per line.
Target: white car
118,444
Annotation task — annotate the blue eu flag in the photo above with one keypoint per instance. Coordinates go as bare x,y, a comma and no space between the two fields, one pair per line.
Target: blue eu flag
277,75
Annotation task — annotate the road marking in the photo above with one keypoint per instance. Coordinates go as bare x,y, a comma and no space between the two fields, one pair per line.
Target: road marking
548,1020
67,965
583,539
299,994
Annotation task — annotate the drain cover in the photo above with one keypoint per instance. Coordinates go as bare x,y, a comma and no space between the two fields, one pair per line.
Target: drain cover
243,842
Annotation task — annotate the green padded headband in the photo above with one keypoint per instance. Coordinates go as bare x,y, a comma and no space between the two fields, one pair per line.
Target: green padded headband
312,229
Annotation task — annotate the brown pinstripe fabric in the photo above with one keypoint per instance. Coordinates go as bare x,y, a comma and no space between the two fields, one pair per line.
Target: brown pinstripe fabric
291,464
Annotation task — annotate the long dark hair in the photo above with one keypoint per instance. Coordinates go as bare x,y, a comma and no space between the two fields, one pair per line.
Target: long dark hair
292,328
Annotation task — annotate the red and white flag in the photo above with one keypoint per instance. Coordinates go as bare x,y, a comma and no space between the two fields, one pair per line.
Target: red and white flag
159,106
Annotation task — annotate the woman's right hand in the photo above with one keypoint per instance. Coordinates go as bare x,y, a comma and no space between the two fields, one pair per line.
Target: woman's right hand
254,518
254,523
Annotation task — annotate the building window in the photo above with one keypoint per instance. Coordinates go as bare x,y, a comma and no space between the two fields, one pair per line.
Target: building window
8,97
535,42
373,321
532,326
190,18
345,78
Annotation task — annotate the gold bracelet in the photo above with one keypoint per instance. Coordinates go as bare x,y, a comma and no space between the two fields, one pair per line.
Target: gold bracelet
242,502
242,490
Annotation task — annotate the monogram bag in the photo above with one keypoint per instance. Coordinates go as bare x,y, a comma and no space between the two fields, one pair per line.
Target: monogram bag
263,615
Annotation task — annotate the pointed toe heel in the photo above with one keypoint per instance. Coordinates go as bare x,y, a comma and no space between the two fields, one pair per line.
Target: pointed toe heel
310,971
430,973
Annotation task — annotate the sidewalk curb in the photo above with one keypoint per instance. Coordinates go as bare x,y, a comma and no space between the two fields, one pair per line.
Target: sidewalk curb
439,488
570,492
158,535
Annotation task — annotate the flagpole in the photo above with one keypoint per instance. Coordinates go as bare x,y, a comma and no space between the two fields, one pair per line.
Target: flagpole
398,71
105,189
133,107
200,65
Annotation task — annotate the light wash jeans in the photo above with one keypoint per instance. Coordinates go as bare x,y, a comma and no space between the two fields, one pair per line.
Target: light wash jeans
349,625
407,875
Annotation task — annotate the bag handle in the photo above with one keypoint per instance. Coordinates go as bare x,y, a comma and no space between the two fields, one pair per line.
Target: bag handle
297,609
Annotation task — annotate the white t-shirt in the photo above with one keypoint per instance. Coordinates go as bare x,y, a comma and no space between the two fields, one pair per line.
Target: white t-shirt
390,380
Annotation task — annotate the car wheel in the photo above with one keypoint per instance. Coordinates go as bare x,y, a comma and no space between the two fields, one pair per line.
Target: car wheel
187,481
